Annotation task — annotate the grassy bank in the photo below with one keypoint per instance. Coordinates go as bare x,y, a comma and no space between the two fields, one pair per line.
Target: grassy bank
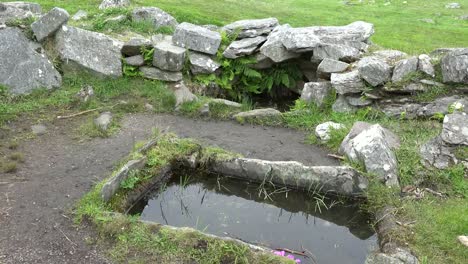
398,24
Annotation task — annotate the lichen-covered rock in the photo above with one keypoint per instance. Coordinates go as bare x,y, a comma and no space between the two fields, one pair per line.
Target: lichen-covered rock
252,27
136,60
341,105
49,23
156,16
437,154
372,147
114,4
22,69
11,11
316,92
243,47
202,64
442,105
323,130
341,180
455,66
398,256
274,49
425,65
329,66
157,74
336,52
168,57
196,38
90,51
347,83
265,114
455,129
103,121
403,68
183,94
133,46
374,70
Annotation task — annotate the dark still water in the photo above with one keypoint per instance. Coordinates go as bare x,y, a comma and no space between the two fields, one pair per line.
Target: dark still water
293,219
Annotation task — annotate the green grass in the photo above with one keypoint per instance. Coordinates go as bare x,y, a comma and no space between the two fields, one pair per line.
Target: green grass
397,25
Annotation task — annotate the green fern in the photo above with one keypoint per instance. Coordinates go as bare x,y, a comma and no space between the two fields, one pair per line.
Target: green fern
147,55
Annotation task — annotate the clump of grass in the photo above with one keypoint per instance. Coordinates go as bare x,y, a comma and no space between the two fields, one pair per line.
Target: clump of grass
16,156
13,144
8,166
90,130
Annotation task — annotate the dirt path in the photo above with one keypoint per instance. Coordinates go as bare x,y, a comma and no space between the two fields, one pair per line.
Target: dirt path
36,207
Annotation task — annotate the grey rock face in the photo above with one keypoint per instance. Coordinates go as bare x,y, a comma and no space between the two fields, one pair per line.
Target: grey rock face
243,47
91,51
252,27
274,49
341,105
403,68
399,256
316,92
39,129
442,105
336,52
374,70
336,179
358,100
455,129
136,60
347,83
183,94
11,11
425,65
81,14
22,69
49,23
202,64
168,57
371,148
114,4
157,74
329,66
263,62
323,130
455,66
196,38
134,45
156,16
409,88
113,184
391,138
437,154
390,56
103,121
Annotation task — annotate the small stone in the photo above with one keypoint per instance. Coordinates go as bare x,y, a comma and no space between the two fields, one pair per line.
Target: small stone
134,45
39,129
431,83
403,68
149,107
202,64
81,14
156,16
455,129
329,66
136,60
49,23
390,56
336,52
103,121
323,130
253,27
316,92
183,94
427,20
266,113
341,105
453,6
196,38
114,4
437,154
463,17
168,57
425,65
243,47
454,66
347,83
463,240
157,74
374,70
116,19
358,101
226,102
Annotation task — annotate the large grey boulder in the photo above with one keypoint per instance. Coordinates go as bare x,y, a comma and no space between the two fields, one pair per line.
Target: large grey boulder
252,27
371,146
202,64
403,68
347,83
196,38
340,180
243,47
49,23
168,57
274,49
157,74
11,11
455,129
425,65
114,4
329,66
336,52
437,154
374,70
90,51
22,69
154,15
455,66
316,92
133,46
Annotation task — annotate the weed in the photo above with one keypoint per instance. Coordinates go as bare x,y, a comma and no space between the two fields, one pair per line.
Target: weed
13,144
16,156
131,181
9,166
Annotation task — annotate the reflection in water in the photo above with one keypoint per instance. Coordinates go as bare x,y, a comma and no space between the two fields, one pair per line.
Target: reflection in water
285,219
